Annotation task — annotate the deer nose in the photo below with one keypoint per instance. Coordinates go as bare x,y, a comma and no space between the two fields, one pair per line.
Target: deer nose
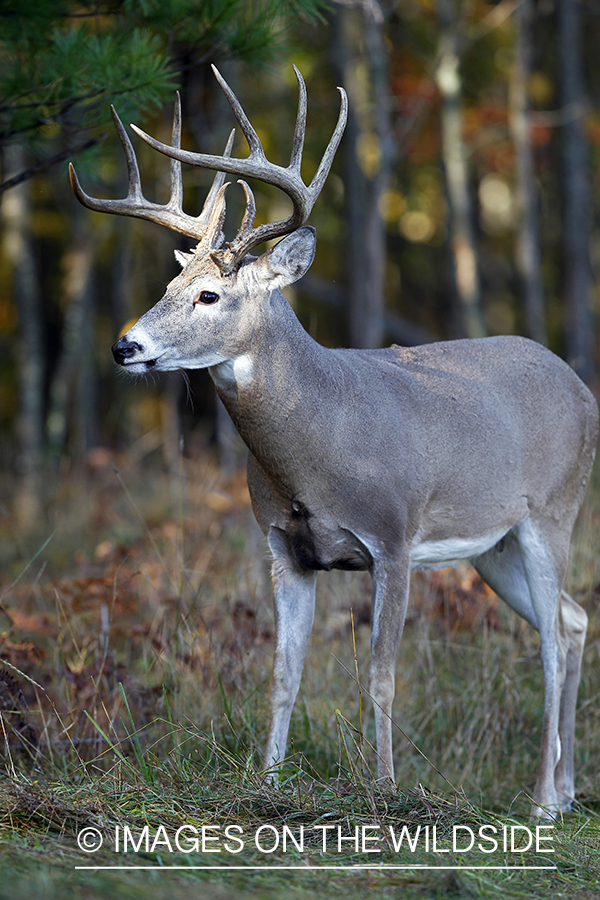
124,349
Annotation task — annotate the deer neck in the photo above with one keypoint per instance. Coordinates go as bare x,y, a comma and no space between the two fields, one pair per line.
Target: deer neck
269,389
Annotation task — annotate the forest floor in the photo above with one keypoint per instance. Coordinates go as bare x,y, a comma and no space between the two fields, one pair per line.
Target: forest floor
136,641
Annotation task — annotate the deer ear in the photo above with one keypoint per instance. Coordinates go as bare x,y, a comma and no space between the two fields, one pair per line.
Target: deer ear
291,258
183,258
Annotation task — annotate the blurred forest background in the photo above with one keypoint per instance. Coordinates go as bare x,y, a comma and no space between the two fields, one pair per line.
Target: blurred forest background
464,200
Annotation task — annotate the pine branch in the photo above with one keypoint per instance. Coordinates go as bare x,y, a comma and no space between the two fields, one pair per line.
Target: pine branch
52,160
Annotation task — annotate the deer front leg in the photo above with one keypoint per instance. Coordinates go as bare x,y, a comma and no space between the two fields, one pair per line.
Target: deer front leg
294,595
390,599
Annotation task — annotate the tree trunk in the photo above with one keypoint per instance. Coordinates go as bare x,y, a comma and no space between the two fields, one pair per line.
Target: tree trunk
577,272
19,249
528,239
73,415
369,146
462,241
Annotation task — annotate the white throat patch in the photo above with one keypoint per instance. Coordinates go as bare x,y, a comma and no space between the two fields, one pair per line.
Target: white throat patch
238,372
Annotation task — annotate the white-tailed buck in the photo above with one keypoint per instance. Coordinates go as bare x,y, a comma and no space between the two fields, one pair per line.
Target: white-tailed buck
384,460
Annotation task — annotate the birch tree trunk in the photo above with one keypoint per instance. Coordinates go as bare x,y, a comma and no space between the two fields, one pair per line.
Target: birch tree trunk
577,272
528,237
19,249
460,216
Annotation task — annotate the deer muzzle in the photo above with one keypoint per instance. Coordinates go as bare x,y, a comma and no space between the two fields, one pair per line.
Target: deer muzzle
123,350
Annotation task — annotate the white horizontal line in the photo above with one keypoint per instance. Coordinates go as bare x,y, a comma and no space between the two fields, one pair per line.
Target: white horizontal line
309,868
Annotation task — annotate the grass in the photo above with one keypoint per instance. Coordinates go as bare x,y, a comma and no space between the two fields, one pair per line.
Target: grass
141,638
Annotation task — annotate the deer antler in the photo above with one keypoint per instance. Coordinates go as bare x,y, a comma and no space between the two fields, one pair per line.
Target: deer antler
258,166
206,228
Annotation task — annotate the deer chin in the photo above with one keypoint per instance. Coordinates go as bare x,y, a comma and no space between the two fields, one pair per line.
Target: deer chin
166,363
139,367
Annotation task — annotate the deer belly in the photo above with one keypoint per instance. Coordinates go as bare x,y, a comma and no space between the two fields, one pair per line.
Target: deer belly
448,552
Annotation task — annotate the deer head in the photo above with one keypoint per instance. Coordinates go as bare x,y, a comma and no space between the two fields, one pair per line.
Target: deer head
212,308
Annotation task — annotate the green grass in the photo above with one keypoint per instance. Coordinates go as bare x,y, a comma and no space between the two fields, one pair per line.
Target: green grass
212,787
142,639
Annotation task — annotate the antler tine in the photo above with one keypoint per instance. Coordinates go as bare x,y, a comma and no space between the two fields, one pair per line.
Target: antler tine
217,184
300,129
256,148
229,258
213,236
327,159
250,214
134,191
133,171
176,201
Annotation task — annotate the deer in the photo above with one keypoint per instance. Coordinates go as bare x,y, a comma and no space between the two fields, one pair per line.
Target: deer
384,460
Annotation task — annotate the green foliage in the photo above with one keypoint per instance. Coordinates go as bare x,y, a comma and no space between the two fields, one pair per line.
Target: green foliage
72,79
62,64
246,29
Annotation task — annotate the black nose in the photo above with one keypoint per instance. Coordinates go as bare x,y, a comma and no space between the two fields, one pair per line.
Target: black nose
124,349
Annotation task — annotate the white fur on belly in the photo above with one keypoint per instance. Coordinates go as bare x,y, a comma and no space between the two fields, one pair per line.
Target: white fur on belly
439,554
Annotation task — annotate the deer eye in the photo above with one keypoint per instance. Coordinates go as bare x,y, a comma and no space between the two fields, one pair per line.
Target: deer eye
206,297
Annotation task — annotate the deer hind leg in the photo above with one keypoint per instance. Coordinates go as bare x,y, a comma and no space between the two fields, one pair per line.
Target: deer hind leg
522,559
573,624
294,595
389,602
